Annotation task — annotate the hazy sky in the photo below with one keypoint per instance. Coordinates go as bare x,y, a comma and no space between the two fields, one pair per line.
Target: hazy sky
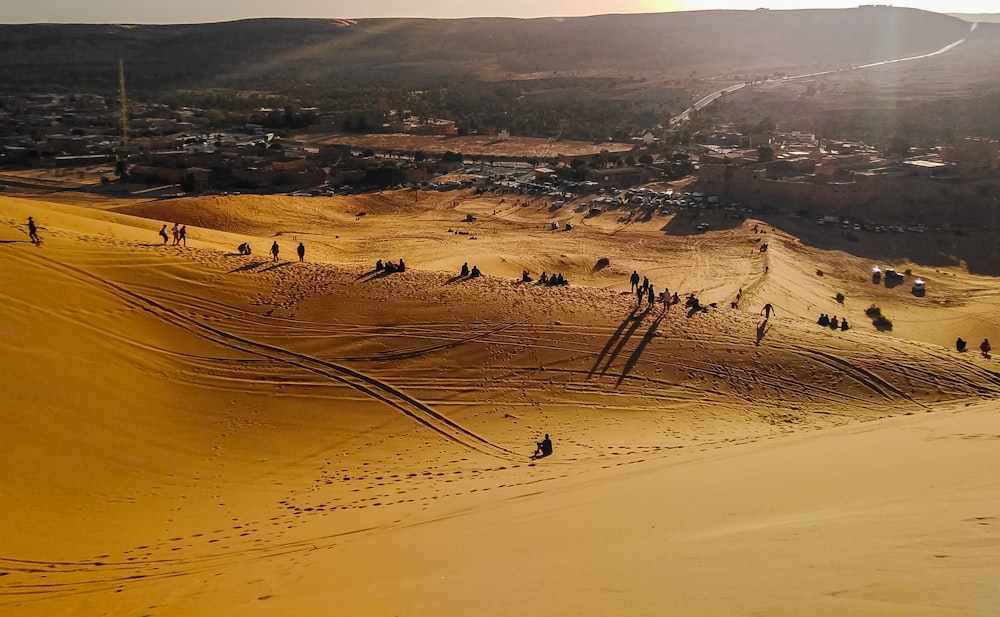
197,11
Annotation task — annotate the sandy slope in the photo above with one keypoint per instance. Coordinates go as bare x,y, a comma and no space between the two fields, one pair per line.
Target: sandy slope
190,431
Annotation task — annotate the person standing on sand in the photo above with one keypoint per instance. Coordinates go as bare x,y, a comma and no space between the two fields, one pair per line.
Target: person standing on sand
176,233
985,347
651,298
274,250
301,251
767,310
638,295
182,235
163,233
33,232
635,280
645,284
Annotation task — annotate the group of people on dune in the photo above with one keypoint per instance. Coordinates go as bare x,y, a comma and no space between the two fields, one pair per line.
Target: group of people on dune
645,290
832,322
179,233
984,347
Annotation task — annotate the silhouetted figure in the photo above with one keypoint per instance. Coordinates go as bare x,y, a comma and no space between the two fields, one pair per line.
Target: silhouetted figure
639,294
543,279
675,299
402,265
960,344
634,279
475,273
823,320
182,235
465,269
33,232
163,233
544,448
301,250
176,232
767,310
834,323
525,277
274,250
379,266
985,347
843,324
650,297
645,284
244,248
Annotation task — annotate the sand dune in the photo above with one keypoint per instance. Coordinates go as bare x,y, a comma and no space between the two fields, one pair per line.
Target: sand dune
191,431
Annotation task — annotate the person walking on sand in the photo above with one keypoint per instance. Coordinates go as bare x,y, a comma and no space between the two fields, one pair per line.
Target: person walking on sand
985,347
645,284
182,235
33,232
638,294
274,250
176,231
635,280
301,251
651,297
767,310
163,233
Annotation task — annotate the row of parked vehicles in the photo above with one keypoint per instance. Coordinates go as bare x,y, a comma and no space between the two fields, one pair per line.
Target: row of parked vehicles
891,278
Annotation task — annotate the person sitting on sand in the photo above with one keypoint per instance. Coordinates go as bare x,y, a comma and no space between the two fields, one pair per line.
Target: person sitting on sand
675,299
244,248
379,266
985,347
834,323
843,324
525,277
543,279
823,320
475,273
390,267
465,269
402,266
544,448
960,344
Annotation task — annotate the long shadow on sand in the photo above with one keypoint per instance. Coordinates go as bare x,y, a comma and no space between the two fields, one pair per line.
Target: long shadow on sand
248,266
618,340
762,329
637,352
280,264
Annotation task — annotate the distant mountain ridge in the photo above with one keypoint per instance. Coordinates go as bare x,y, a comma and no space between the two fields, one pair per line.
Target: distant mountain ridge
279,54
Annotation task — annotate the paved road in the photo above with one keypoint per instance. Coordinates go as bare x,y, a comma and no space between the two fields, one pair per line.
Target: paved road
685,115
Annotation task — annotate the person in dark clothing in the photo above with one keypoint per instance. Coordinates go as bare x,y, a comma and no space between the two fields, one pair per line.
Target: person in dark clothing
274,250
475,273
379,266
244,248
651,297
638,295
767,310
985,347
163,233
960,344
402,265
834,323
544,448
33,232
465,269
543,279
843,324
301,250
645,284
634,280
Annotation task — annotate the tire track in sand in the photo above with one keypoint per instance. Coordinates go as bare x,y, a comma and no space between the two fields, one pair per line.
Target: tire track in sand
374,388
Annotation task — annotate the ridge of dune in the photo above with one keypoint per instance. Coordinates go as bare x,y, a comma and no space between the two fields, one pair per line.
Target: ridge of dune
191,430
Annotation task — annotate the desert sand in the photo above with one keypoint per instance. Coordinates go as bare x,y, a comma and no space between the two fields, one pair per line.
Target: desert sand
190,431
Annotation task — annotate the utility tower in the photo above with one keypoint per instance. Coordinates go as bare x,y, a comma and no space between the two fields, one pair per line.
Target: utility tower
123,120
